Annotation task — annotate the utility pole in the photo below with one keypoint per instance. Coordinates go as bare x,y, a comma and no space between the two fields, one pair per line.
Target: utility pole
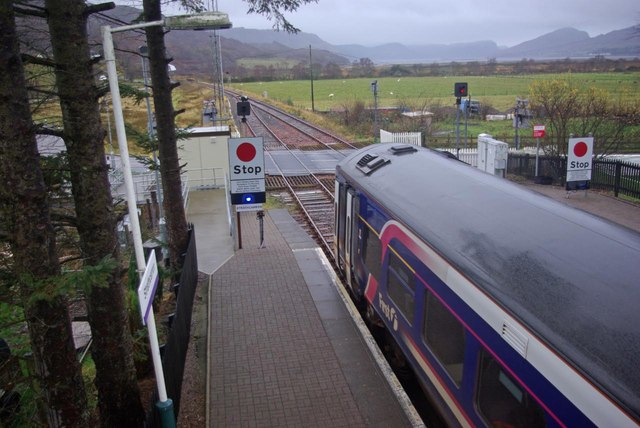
466,120
374,89
313,107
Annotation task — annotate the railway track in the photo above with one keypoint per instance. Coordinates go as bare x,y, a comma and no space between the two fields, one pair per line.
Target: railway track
311,193
313,196
295,132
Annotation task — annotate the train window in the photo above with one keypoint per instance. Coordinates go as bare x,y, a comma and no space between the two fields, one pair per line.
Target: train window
502,401
372,251
444,335
401,286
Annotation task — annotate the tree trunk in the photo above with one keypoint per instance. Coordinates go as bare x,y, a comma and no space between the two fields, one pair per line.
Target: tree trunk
118,391
25,211
166,132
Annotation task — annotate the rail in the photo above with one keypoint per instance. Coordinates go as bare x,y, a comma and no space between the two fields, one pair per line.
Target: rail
206,178
314,198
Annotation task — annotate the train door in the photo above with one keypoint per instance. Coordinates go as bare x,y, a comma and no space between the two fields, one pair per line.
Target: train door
339,225
348,236
344,209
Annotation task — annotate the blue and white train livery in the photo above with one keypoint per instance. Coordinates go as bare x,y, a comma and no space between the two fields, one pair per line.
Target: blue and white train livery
513,310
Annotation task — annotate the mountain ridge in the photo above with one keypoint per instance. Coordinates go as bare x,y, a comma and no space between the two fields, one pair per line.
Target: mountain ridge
245,44
561,43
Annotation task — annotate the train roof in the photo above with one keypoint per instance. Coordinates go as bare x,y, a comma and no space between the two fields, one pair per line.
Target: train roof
571,277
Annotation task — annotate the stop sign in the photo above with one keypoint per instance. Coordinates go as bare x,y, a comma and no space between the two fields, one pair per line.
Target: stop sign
246,171
246,158
579,160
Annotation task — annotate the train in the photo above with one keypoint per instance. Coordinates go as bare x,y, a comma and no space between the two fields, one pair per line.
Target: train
512,309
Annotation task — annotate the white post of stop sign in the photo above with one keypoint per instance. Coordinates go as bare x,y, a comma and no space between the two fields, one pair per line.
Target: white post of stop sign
579,161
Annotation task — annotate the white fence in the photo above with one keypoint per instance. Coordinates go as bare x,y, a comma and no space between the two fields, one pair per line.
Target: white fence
470,155
414,138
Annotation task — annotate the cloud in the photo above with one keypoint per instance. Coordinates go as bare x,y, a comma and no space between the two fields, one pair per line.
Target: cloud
372,22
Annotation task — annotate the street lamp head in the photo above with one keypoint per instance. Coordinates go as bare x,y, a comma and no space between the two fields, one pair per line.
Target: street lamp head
199,21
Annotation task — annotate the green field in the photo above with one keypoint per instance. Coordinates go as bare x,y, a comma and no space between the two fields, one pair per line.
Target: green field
419,92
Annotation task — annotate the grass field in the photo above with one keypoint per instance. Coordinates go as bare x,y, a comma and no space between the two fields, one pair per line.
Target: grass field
416,92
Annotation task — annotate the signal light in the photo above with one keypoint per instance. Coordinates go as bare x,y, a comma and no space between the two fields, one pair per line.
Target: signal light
243,107
460,89
248,198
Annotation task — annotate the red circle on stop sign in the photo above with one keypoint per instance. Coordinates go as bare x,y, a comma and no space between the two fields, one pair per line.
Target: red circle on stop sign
246,152
580,149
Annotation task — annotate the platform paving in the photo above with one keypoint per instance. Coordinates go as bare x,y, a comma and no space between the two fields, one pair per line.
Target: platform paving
284,350
596,202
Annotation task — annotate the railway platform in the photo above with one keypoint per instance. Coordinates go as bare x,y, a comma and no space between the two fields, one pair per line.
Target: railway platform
283,348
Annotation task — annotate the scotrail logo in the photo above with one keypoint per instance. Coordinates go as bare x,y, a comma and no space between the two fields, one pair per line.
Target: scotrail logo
389,312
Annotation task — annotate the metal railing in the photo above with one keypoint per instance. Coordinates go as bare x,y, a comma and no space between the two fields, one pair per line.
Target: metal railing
206,178
618,176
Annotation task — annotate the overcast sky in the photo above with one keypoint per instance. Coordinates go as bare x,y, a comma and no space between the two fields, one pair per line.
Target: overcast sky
507,22
373,22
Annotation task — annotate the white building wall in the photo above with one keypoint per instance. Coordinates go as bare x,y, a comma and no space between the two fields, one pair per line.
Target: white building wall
205,154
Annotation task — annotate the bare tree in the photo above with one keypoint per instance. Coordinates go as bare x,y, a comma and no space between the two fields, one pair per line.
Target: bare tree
273,10
569,109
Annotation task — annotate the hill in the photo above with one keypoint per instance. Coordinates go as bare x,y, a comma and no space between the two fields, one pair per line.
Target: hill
193,50
252,43
569,42
559,44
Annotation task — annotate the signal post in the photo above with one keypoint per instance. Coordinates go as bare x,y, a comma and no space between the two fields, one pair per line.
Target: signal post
460,90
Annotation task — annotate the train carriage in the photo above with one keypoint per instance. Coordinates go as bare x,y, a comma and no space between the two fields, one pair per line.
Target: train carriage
511,308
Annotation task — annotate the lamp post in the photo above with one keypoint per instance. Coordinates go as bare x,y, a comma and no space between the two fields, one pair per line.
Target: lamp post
374,89
202,21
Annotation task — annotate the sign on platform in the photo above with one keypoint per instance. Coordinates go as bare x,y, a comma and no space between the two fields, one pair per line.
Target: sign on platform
579,159
248,207
147,288
246,158
246,170
539,131
246,186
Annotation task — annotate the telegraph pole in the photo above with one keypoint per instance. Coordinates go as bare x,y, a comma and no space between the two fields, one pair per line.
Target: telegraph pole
374,89
313,107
